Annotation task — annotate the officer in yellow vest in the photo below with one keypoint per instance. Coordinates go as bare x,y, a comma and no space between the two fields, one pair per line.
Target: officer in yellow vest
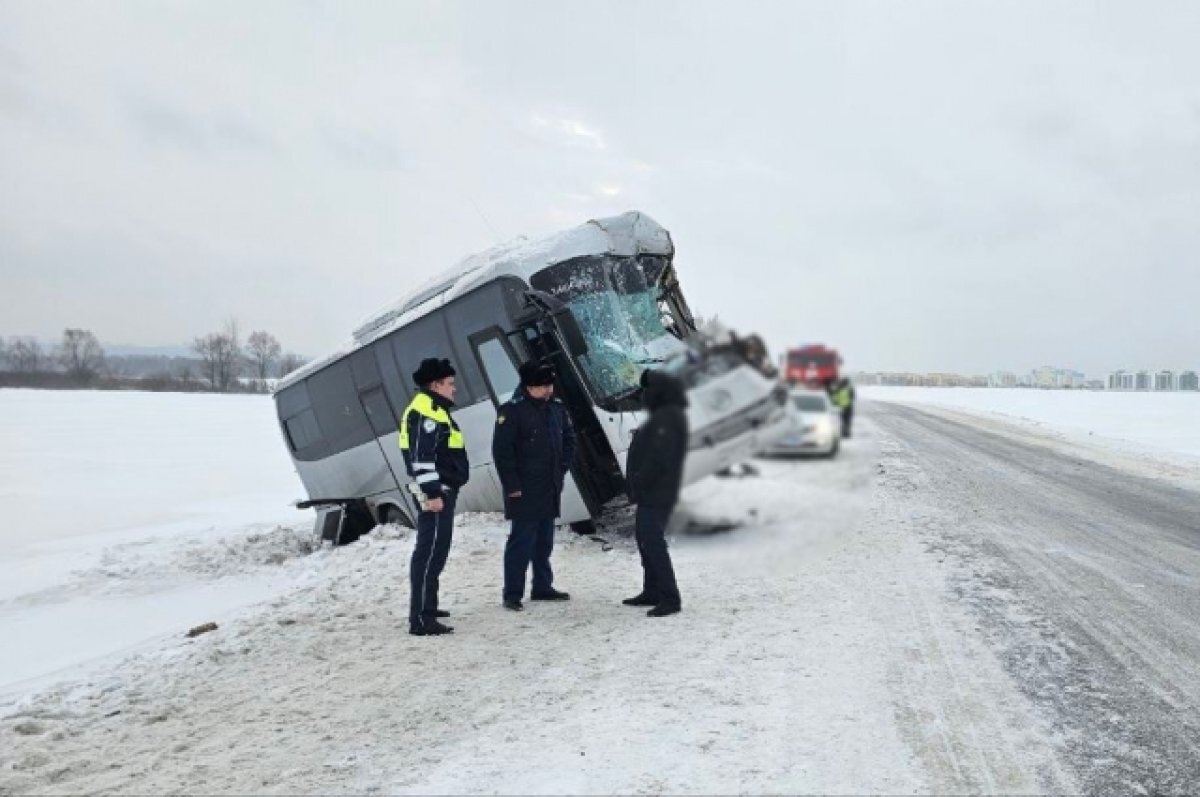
842,395
437,462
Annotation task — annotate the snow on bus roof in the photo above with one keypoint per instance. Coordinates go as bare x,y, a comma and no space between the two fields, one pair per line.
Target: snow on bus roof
629,234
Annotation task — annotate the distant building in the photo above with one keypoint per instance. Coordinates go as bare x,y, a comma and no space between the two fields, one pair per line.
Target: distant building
1144,380
1002,379
1045,376
1188,380
901,379
863,378
1164,380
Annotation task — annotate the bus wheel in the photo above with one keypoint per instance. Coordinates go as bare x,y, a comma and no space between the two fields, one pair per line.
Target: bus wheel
583,527
393,516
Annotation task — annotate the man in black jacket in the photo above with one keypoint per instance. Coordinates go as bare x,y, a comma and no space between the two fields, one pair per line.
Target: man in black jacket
654,473
532,448
436,456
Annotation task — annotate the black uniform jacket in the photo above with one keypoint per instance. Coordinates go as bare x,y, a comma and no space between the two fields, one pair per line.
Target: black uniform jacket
533,447
654,468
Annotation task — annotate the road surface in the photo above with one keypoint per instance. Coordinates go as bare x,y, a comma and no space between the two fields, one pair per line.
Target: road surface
1085,582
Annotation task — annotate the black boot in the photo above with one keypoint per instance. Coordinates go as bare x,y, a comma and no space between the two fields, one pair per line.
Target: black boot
641,599
662,610
551,595
442,613
513,605
430,628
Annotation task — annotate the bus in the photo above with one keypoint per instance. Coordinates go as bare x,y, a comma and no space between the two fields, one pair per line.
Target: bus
600,303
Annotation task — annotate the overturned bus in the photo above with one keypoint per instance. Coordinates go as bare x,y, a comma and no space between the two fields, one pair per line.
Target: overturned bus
600,303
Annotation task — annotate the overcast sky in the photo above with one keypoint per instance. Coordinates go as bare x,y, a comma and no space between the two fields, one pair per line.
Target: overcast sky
937,186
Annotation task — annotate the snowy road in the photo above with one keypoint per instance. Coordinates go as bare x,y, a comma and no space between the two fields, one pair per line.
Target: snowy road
1085,581
948,607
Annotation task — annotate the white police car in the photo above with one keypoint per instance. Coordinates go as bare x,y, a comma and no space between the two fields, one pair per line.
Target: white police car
816,425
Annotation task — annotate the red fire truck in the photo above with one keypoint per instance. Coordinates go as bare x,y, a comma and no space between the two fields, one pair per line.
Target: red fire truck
814,366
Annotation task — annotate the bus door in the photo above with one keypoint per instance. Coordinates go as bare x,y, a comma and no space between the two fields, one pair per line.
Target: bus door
596,471
384,425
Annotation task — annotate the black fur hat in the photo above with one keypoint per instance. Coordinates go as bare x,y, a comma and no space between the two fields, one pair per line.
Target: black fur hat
431,370
534,374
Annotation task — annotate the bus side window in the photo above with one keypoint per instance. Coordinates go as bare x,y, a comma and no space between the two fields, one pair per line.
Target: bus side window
498,368
480,309
299,421
379,412
302,430
398,387
339,411
427,337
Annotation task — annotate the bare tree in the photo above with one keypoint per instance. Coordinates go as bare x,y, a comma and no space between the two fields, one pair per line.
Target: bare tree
216,357
208,350
26,355
80,354
290,362
235,360
220,356
262,349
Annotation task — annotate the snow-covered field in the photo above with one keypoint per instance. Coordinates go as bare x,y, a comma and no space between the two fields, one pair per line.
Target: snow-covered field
1165,424
130,515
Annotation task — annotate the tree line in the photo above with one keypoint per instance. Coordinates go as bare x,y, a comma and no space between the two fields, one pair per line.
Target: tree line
222,364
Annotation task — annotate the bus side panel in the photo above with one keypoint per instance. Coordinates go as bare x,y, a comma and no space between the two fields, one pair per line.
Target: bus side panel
480,493
572,507
355,473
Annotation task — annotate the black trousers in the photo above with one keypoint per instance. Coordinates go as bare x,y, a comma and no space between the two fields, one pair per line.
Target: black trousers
435,530
847,419
529,541
658,576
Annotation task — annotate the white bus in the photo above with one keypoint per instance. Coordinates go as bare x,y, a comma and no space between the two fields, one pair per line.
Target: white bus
600,302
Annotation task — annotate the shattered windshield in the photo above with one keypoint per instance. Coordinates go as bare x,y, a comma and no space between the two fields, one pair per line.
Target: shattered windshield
617,310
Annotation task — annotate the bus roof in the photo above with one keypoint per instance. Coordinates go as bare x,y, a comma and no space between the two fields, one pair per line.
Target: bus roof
629,234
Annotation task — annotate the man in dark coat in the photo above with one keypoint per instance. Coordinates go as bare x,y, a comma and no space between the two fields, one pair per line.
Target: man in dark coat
533,447
436,456
654,474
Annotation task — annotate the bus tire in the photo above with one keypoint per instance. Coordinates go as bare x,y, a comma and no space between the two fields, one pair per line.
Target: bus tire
395,516
358,521
584,526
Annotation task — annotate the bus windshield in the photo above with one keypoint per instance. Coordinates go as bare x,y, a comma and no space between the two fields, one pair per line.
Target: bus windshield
617,310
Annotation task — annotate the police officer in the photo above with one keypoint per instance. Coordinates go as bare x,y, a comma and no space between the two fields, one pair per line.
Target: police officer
654,474
841,393
533,447
437,462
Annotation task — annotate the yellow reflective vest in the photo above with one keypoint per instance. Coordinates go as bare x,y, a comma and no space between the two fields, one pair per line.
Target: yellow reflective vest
433,446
